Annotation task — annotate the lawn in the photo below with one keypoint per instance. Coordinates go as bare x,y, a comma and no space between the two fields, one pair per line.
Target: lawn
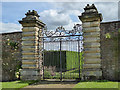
16,84
95,84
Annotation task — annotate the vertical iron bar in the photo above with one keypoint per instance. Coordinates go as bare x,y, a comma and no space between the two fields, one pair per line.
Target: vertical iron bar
60,62
43,58
79,54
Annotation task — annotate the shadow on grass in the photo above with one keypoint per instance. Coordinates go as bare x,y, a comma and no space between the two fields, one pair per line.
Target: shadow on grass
57,81
29,81
95,81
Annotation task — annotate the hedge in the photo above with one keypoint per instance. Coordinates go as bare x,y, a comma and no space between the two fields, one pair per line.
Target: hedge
69,59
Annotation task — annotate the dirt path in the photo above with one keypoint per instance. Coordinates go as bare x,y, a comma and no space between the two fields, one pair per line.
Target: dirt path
52,84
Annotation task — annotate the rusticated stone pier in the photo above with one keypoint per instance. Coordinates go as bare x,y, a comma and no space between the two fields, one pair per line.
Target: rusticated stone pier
91,32
31,50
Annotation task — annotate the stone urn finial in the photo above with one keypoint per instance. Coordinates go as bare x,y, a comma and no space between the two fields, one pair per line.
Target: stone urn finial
31,17
33,12
90,11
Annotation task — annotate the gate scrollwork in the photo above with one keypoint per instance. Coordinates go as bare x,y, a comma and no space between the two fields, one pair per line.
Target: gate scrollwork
63,34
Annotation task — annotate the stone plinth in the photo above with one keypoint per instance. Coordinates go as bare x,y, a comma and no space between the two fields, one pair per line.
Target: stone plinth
91,32
31,46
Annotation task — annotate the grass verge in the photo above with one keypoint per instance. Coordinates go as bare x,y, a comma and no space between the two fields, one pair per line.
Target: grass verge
97,84
17,84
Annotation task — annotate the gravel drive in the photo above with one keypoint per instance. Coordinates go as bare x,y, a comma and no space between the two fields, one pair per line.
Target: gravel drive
51,84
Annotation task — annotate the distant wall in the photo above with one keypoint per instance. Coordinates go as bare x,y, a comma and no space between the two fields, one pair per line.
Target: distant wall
11,55
110,50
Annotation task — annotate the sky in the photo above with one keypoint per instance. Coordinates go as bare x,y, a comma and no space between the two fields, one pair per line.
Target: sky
53,14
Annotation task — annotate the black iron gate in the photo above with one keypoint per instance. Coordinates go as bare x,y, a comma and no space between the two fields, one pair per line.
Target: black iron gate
62,54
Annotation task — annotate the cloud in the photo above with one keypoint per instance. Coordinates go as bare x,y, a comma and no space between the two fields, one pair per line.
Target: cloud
62,12
109,10
9,27
71,25
53,19
70,7
66,14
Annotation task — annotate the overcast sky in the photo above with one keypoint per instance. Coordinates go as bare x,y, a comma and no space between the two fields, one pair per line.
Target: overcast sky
53,14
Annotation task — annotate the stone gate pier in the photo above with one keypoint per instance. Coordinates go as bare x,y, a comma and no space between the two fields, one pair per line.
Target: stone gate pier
91,32
31,50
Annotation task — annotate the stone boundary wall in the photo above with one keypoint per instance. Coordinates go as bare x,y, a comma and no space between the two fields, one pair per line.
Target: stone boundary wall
109,47
11,55
110,50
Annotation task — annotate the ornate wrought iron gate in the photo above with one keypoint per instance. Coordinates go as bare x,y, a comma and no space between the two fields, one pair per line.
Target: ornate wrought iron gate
62,53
